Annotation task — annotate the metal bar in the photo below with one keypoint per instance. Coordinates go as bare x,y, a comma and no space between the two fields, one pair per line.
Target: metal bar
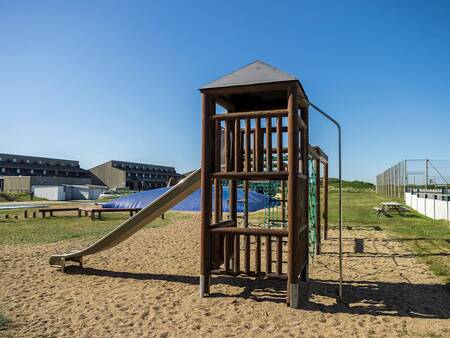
340,190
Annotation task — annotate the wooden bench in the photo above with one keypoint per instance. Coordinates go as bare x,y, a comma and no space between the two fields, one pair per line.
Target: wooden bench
379,211
51,211
402,210
99,211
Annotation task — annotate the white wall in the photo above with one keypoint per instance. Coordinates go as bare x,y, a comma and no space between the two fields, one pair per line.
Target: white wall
430,206
51,193
421,205
440,209
414,202
408,198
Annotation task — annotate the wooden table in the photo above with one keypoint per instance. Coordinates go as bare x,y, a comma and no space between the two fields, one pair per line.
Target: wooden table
393,206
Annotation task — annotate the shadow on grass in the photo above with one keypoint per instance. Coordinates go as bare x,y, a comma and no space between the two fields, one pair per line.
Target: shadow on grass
360,297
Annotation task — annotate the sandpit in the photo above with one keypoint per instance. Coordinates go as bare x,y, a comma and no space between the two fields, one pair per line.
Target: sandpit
148,286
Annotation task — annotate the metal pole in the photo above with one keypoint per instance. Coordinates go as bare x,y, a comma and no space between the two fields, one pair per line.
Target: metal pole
340,191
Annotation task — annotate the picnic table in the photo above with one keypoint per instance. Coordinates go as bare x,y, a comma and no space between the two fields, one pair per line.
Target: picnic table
387,207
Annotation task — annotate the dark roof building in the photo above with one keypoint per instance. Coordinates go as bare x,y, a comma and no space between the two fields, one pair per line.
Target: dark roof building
132,175
20,165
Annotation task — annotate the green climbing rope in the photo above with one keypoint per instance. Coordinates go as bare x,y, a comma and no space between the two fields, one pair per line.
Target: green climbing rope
312,191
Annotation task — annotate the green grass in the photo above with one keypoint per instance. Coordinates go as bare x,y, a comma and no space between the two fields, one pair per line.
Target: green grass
429,239
360,185
18,197
47,230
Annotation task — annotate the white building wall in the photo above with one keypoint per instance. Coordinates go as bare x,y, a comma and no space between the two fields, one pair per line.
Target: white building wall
51,193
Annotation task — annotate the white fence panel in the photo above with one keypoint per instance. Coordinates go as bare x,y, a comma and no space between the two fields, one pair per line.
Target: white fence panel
408,197
440,209
421,205
414,202
429,207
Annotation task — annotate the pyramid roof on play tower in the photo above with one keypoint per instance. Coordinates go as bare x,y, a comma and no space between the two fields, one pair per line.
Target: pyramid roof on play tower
257,72
257,85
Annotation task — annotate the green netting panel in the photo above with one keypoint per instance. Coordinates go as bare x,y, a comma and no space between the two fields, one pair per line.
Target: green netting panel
312,233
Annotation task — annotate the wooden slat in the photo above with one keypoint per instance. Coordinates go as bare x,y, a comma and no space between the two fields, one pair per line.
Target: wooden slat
227,147
268,144
259,146
217,146
274,175
247,254
254,152
279,261
268,245
226,252
216,250
249,115
280,143
257,255
223,224
237,254
252,231
237,146
247,146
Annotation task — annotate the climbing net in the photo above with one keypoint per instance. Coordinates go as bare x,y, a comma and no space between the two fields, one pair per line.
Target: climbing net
312,215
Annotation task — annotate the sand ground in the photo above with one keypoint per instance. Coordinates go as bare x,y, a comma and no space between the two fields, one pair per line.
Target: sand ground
148,286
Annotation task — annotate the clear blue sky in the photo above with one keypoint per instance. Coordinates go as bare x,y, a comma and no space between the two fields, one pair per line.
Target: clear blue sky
100,80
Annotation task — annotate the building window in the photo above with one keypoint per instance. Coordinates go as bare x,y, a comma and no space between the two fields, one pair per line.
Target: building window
45,172
3,170
18,171
14,160
31,171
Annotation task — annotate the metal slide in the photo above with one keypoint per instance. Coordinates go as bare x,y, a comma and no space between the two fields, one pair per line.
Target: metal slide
163,203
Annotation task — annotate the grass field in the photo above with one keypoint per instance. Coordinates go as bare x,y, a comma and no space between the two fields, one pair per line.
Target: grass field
429,239
47,230
18,197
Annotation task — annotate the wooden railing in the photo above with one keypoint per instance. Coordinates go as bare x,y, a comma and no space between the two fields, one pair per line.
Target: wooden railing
246,142
253,243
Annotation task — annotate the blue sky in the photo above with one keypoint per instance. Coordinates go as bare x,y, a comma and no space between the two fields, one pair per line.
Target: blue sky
100,80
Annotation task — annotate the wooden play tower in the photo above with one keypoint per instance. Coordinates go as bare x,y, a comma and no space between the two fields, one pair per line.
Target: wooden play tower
261,134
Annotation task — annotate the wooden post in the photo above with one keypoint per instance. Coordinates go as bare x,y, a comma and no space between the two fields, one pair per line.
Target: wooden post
325,201
208,109
34,214
293,199
303,252
25,214
318,215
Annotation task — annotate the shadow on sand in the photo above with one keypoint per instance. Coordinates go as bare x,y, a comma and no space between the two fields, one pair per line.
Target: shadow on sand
361,297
